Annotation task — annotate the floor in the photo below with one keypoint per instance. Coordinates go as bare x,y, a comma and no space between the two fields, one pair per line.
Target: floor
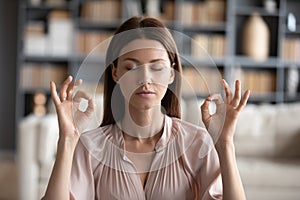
8,180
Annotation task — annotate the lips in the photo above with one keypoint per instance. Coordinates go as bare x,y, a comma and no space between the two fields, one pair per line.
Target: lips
145,92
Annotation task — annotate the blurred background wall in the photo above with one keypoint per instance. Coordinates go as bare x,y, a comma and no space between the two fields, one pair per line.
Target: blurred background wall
8,54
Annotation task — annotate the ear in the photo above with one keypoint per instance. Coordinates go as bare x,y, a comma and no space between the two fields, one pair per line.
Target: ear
114,73
172,76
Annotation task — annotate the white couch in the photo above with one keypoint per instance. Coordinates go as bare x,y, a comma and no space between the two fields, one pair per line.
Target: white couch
267,145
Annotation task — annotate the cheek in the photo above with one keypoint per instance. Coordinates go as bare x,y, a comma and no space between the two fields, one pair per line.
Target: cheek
127,85
162,89
163,79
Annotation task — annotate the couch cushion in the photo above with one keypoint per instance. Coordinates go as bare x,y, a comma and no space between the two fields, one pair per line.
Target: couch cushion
255,131
288,130
47,139
28,168
262,172
272,193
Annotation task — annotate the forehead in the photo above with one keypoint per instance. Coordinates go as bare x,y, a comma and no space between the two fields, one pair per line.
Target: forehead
144,48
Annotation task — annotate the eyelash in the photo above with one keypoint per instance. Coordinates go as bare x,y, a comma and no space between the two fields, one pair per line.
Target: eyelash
152,68
131,68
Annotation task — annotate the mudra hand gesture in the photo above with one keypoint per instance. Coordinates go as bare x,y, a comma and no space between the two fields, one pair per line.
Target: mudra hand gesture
221,125
72,121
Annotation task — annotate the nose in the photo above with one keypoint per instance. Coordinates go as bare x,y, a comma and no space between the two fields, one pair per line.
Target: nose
145,76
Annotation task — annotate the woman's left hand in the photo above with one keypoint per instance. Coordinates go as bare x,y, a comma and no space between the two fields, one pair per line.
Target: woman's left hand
221,125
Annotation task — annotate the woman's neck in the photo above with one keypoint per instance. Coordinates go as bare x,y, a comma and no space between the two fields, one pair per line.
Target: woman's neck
142,124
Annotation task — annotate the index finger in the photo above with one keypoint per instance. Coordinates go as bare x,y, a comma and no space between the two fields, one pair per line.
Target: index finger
54,94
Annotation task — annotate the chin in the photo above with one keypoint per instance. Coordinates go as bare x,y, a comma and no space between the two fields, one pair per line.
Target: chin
144,104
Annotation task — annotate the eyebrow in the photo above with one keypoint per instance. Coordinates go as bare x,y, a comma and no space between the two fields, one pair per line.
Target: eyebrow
138,62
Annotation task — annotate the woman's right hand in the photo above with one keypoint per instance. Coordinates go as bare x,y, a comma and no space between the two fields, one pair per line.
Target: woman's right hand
72,121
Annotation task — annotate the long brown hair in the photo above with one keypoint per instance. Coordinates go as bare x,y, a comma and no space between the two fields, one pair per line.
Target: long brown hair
136,25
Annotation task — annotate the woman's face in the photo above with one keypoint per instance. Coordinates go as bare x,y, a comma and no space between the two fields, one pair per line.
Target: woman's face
143,72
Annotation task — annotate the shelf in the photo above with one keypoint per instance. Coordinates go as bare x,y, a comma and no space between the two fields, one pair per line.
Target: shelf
83,24
61,59
297,32
35,90
80,58
264,97
244,61
293,98
213,62
45,59
236,14
241,10
220,27
44,6
291,63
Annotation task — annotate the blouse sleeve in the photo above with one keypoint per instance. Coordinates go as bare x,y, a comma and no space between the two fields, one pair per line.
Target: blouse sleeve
82,181
203,163
209,177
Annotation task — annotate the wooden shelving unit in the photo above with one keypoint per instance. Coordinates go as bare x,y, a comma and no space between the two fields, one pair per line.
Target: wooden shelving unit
236,13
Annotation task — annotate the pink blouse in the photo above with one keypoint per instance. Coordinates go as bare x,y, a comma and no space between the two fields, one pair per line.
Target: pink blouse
184,165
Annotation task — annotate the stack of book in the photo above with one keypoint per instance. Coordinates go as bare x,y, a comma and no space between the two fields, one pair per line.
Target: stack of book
56,42
35,38
60,33
200,81
259,81
38,76
291,49
101,11
212,45
206,12
92,41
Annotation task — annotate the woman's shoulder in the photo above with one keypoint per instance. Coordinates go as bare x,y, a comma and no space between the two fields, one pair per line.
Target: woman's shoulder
99,144
96,132
96,138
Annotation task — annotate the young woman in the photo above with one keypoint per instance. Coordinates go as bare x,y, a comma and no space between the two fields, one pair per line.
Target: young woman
143,150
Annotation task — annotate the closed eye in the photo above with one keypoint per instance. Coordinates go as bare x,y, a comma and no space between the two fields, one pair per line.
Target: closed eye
157,68
131,68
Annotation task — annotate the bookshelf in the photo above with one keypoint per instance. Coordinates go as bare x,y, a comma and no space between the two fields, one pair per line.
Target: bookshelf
216,24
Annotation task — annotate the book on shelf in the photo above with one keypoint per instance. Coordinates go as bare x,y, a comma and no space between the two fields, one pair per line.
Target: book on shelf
291,49
212,45
101,11
38,76
168,11
60,33
153,8
92,41
35,38
259,81
216,10
200,81
133,8
200,46
208,12
185,12
56,42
